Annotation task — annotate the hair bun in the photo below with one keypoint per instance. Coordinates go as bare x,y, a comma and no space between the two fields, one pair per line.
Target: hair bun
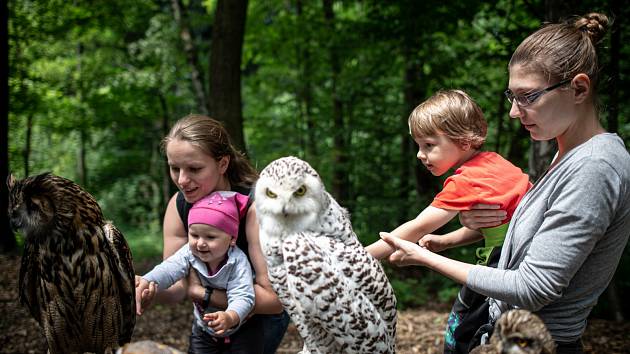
595,24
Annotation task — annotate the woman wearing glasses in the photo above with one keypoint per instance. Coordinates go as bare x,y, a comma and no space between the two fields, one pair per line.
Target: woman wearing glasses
568,233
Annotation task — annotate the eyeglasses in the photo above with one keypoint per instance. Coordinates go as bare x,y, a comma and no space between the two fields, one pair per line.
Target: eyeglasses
526,100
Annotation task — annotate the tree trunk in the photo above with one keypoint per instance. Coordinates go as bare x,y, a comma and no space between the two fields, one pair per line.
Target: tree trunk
414,41
340,182
501,116
613,91
540,155
514,149
81,168
541,152
166,185
305,94
611,293
225,67
414,93
26,153
181,17
7,238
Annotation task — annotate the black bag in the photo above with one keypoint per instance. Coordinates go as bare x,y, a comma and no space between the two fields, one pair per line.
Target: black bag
469,317
488,328
469,314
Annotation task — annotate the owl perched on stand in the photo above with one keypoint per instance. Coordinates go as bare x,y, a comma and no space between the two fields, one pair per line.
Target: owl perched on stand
76,277
337,295
518,332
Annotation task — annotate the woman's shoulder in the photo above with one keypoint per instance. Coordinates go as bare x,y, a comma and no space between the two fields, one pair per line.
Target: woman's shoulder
603,158
609,143
605,149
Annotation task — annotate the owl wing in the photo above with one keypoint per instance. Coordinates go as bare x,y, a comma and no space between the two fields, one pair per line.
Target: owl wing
371,280
357,264
291,293
121,261
29,281
336,313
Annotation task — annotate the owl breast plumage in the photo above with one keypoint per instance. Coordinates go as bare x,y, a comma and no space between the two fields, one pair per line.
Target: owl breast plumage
337,294
76,276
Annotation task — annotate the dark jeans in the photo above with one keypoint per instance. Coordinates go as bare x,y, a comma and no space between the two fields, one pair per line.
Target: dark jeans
569,347
274,327
248,339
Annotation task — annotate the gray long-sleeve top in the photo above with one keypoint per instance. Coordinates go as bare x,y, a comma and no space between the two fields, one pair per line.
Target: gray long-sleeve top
565,239
235,277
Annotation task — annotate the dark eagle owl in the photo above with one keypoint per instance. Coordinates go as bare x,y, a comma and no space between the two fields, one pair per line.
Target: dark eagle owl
76,277
519,332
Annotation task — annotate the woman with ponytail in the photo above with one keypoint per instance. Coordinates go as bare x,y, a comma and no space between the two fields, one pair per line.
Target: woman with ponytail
569,231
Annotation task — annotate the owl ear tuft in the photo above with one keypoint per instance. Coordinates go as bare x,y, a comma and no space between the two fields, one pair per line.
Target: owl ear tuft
10,181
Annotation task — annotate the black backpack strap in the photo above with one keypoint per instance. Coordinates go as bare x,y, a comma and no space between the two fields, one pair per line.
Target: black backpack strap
241,241
183,207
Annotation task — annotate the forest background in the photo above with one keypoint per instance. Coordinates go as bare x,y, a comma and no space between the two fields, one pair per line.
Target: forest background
93,86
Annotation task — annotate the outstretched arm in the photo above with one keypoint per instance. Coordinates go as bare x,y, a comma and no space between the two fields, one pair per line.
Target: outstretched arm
459,237
429,220
175,237
408,253
145,291
221,321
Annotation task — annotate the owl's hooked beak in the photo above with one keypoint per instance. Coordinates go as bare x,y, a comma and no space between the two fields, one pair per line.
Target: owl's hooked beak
284,212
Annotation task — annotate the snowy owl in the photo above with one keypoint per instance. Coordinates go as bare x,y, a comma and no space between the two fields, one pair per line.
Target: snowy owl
337,295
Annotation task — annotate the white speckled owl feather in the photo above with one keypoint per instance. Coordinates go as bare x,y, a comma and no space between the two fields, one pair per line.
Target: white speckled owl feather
336,293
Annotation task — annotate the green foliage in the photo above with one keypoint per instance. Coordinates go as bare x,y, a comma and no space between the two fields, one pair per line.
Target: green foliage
448,294
410,293
144,245
134,203
105,79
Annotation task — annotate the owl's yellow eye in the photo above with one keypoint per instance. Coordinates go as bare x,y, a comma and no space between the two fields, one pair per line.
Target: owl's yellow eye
300,191
270,194
521,342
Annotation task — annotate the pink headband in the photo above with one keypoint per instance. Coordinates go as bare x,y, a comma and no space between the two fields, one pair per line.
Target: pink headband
222,210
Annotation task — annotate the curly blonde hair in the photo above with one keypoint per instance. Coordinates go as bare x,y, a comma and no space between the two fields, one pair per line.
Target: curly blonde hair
452,113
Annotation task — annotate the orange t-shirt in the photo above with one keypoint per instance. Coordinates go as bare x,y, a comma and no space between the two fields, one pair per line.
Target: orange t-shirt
486,178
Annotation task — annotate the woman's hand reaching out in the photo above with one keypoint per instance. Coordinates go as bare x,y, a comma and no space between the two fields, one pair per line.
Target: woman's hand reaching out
406,253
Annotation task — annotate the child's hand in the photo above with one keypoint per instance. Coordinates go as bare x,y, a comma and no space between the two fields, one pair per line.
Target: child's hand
434,243
145,292
407,253
221,321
